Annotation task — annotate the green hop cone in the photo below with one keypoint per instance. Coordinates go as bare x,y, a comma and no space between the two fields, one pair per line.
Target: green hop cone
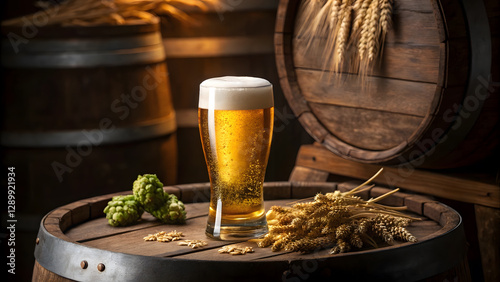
148,190
123,210
172,212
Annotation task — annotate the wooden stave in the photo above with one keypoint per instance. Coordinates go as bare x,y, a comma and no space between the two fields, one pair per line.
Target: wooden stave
82,46
270,268
471,150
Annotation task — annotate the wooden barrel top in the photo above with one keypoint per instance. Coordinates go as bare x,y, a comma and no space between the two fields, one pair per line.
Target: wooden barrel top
75,241
409,109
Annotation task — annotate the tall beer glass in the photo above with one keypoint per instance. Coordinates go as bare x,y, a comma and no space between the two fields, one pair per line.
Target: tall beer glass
236,116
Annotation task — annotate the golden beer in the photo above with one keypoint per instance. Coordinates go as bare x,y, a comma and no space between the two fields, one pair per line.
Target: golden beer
236,117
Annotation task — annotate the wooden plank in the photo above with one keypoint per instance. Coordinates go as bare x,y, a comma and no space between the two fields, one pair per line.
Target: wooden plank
488,231
413,27
374,130
390,95
277,190
405,177
300,173
132,242
410,62
397,200
400,61
419,6
79,211
99,227
213,254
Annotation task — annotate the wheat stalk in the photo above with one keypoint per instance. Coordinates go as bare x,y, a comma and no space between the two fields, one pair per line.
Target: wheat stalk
339,219
331,27
373,30
336,9
112,12
307,32
334,14
322,22
360,7
343,34
385,15
385,21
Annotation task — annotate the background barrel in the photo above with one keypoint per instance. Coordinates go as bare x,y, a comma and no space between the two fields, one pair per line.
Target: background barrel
229,38
84,110
431,102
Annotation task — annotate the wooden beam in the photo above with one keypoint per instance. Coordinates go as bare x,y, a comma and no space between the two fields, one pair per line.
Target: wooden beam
405,177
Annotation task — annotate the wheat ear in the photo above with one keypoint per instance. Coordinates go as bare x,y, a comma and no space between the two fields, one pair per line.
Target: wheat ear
343,35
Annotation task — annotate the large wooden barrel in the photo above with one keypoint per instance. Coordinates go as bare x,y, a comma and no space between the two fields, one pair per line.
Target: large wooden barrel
431,102
228,38
84,110
76,242
86,101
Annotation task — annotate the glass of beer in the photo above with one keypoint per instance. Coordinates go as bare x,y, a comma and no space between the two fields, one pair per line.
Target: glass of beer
236,116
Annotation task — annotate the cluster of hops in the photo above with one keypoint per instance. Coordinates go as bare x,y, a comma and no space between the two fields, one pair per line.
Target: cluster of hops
172,211
340,221
148,195
123,210
148,190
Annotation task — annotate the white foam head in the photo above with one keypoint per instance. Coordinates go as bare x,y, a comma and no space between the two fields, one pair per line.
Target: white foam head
236,93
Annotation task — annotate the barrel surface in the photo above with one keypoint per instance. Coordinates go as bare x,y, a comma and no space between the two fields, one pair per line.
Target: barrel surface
430,101
76,242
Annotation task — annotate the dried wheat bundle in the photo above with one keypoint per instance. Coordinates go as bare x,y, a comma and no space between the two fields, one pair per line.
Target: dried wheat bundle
340,221
348,34
111,12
